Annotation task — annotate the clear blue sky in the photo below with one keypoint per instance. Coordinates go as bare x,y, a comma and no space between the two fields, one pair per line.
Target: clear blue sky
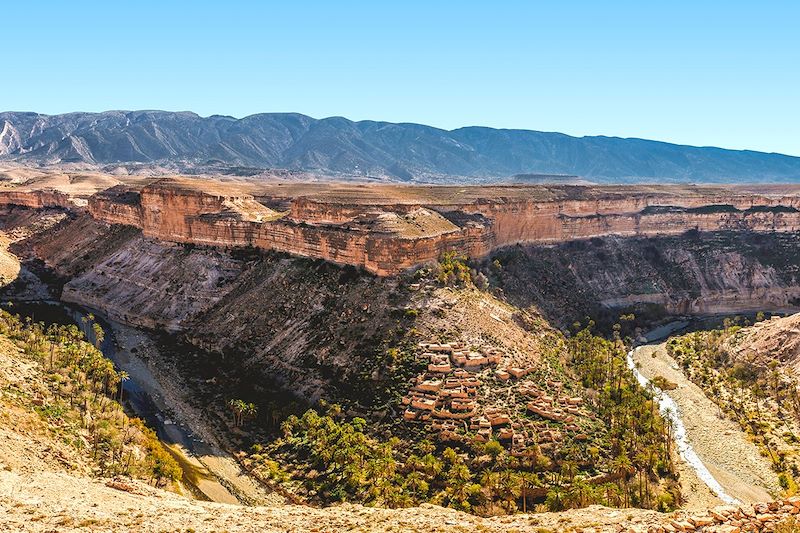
723,73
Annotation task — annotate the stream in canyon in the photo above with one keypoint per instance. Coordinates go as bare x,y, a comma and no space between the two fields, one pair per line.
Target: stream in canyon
672,414
718,462
140,397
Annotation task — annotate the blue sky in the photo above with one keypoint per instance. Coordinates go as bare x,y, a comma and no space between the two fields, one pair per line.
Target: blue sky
704,73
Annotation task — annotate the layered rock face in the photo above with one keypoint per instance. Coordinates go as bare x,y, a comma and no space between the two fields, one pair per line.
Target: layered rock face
693,273
381,242
521,221
39,199
130,278
387,237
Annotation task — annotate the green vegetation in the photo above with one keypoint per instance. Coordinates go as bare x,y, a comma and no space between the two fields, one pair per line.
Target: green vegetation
758,394
452,269
78,401
638,444
663,383
328,457
241,410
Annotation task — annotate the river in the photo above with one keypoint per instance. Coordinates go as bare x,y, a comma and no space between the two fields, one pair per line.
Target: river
702,427
670,411
140,397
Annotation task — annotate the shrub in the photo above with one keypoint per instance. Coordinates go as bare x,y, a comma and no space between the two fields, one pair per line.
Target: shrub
453,270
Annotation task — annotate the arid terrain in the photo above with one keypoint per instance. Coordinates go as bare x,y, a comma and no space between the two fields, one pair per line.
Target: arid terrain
465,346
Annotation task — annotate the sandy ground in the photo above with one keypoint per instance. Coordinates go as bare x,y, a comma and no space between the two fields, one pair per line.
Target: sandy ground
51,501
732,459
222,478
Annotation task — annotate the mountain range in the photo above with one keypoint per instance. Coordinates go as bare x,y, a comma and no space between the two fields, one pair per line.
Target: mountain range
340,147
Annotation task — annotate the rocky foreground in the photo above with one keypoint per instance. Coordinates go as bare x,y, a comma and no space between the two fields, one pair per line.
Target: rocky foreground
52,501
733,519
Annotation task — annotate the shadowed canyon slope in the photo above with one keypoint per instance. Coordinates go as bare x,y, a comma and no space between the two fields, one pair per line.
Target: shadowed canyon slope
413,355
338,146
283,316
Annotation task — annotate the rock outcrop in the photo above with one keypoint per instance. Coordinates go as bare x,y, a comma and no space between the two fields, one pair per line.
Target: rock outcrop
384,243
40,199
388,236
694,273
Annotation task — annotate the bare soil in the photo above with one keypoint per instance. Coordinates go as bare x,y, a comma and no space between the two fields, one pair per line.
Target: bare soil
733,460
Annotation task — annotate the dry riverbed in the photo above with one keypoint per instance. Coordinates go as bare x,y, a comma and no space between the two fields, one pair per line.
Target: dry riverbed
733,460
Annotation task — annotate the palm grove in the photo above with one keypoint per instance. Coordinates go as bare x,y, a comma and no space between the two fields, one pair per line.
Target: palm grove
80,400
325,456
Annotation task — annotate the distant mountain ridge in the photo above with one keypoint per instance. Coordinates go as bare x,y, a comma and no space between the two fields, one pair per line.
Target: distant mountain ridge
340,147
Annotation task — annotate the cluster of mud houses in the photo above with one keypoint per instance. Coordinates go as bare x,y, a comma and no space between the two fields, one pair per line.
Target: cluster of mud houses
447,394
449,389
446,397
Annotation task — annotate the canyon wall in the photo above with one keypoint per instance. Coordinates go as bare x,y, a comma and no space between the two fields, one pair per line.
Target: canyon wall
40,199
526,221
384,238
193,216
694,273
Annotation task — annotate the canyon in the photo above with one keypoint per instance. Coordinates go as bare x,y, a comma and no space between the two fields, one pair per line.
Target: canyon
330,292
388,229
572,251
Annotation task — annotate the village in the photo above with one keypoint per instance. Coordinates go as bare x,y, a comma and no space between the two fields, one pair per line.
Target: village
447,399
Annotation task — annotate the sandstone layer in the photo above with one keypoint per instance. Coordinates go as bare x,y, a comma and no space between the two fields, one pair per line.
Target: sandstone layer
388,229
390,235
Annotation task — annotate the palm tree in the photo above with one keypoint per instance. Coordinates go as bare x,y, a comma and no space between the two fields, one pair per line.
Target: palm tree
529,480
241,409
490,481
417,485
555,498
123,377
99,335
510,489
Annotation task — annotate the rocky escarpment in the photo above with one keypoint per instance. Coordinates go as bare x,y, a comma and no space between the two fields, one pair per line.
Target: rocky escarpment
386,236
697,272
174,257
40,199
287,314
381,242
129,278
281,316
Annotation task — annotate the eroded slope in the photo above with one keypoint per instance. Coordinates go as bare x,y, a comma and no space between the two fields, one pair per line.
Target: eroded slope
696,273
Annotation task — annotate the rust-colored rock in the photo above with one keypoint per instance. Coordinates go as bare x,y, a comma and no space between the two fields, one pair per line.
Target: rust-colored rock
386,232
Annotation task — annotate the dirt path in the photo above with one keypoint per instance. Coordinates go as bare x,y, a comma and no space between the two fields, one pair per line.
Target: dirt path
732,459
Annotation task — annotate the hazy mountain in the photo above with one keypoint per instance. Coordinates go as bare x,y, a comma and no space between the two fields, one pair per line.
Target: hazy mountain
339,146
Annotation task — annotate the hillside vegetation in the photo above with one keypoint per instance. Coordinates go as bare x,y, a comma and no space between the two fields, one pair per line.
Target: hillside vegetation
61,388
753,388
616,450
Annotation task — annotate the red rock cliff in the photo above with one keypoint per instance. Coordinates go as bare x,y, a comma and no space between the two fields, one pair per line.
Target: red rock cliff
39,199
387,238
